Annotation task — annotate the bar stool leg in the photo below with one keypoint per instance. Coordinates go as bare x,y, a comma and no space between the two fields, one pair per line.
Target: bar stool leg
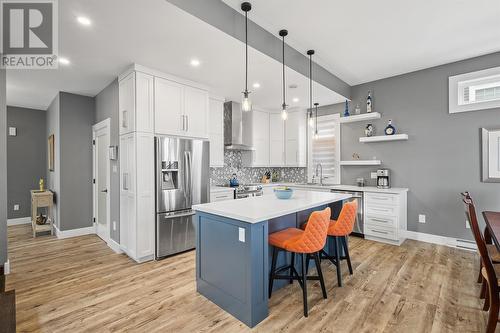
304,283
273,269
337,259
292,265
348,257
320,274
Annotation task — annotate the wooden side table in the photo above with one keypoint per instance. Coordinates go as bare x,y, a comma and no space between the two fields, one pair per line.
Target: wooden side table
40,200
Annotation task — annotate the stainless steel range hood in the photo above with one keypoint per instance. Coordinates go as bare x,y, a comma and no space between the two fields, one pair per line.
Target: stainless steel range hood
237,127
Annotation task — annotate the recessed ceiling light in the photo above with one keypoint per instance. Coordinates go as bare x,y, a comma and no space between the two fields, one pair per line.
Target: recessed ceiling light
295,100
195,62
256,85
83,20
64,61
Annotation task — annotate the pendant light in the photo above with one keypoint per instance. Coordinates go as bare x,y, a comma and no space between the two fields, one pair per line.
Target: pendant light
246,104
284,113
310,113
316,121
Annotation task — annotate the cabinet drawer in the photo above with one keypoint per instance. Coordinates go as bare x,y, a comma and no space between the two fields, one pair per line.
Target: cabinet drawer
381,210
383,221
43,201
382,199
221,196
381,232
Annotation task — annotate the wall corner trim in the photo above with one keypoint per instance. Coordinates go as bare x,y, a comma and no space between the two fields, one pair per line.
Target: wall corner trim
441,240
74,232
18,221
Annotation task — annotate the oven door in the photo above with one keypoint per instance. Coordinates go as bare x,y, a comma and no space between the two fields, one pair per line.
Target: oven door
175,232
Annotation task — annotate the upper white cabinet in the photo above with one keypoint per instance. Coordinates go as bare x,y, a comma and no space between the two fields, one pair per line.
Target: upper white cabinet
135,103
180,109
276,140
260,141
295,139
216,131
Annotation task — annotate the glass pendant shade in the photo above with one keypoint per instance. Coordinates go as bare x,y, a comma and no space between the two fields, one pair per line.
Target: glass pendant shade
246,103
284,113
311,120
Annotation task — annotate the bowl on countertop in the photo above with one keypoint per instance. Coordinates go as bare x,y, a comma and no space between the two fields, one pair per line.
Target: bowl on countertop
283,192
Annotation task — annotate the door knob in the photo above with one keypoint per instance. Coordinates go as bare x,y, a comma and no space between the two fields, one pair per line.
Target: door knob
105,190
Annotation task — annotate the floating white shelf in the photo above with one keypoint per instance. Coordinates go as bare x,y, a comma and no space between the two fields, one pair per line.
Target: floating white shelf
360,117
382,138
361,162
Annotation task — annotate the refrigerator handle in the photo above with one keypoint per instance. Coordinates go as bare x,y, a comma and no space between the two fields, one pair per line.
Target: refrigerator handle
187,178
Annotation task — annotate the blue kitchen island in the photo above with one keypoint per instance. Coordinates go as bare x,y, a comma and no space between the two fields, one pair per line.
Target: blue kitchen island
232,251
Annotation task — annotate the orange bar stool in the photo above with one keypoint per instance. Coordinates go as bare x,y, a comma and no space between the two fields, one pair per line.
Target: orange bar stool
338,231
308,243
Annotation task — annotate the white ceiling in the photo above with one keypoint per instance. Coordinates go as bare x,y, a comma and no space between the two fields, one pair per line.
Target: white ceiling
155,34
361,41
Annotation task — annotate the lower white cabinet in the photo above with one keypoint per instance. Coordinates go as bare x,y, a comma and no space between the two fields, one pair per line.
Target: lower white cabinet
385,217
137,199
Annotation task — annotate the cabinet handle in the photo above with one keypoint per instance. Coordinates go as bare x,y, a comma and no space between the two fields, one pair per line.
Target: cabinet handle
124,119
222,196
182,122
125,181
380,232
380,220
380,198
187,123
380,209
297,156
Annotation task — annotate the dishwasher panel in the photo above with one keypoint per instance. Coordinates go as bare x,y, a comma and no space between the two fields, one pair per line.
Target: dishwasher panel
358,229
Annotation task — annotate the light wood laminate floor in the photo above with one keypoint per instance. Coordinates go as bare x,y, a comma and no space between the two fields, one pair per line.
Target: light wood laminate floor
79,284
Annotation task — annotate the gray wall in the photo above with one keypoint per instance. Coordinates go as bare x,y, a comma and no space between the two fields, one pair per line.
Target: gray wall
3,170
53,181
106,106
26,158
75,198
442,156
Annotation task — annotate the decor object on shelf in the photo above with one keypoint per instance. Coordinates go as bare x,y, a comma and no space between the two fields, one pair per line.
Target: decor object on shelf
283,192
51,152
357,109
41,185
284,113
490,155
311,119
389,129
369,130
369,103
41,219
346,109
246,104
355,156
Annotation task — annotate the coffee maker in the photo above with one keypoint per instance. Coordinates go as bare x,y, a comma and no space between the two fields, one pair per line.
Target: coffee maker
383,178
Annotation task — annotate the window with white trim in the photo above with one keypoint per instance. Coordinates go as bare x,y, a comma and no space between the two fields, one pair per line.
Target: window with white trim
324,149
474,91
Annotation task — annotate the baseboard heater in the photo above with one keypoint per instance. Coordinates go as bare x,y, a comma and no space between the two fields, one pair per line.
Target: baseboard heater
464,244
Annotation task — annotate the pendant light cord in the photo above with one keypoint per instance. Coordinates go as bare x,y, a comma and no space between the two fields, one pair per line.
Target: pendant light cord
283,50
310,85
246,51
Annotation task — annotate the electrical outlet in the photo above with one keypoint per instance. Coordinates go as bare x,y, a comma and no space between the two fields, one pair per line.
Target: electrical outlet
114,225
373,175
16,207
467,225
421,218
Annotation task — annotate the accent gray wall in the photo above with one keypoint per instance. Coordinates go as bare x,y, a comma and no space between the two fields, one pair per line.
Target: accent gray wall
53,181
26,158
106,106
442,156
3,169
77,118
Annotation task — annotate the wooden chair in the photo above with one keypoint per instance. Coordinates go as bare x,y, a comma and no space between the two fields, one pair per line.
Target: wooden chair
7,307
489,271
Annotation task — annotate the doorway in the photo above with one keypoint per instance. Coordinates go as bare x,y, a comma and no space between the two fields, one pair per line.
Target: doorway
101,179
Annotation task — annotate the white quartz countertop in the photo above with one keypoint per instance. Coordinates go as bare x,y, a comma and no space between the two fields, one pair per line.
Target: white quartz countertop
341,187
257,209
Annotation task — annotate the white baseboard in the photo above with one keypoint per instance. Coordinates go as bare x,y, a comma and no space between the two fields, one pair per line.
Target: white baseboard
441,240
74,232
115,246
19,220
6,267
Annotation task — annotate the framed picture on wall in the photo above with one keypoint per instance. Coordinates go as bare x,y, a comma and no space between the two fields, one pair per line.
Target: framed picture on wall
491,155
51,152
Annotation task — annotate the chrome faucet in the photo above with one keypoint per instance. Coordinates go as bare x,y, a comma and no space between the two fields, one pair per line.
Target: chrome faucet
319,174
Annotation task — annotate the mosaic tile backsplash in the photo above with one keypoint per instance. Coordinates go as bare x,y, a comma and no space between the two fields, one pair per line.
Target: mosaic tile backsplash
233,164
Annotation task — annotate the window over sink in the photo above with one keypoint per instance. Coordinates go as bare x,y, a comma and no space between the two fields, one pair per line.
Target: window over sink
324,150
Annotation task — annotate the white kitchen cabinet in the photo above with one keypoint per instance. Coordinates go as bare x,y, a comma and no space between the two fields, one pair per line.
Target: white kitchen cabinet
216,132
135,102
221,195
385,217
260,141
276,140
137,200
295,139
180,110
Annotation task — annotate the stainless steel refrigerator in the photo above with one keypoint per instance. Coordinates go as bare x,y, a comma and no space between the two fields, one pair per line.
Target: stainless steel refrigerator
182,180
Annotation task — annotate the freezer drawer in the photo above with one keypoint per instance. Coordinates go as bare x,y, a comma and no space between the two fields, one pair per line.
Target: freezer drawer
175,232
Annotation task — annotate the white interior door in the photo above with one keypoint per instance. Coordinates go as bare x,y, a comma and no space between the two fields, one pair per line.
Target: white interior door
101,180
